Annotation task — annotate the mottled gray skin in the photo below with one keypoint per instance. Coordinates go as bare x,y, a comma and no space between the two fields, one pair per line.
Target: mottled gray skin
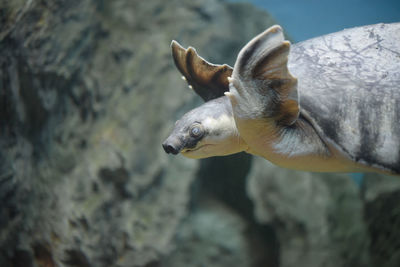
349,90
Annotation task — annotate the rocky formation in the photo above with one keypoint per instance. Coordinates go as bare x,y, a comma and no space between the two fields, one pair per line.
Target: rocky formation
88,91
318,217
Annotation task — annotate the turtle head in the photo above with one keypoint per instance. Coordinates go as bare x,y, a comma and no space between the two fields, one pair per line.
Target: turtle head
206,131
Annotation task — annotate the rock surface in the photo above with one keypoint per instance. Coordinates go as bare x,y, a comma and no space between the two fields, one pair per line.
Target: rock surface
216,235
318,217
328,219
88,91
381,196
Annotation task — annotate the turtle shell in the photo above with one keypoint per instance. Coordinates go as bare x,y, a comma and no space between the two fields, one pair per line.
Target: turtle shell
349,90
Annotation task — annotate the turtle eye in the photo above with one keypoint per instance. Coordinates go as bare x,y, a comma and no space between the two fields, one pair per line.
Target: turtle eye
196,131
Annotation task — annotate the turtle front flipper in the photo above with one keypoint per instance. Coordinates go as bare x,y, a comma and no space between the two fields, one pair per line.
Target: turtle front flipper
208,80
261,85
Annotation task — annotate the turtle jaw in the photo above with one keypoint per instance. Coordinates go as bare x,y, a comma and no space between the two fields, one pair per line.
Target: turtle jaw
197,152
205,148
189,150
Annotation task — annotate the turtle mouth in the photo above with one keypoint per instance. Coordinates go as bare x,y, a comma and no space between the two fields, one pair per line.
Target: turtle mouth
190,150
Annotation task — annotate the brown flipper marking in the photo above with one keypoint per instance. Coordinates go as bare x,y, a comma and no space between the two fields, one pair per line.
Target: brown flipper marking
288,112
265,59
208,80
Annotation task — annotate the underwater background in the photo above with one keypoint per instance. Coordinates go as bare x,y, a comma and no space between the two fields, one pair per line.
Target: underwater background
88,92
306,19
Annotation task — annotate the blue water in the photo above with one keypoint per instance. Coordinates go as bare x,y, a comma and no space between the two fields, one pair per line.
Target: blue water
304,19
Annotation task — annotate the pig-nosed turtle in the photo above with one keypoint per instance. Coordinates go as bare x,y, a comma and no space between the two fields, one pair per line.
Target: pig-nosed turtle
339,112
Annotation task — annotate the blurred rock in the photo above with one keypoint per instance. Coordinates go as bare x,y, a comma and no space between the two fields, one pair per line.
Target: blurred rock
382,215
88,91
378,184
215,235
318,218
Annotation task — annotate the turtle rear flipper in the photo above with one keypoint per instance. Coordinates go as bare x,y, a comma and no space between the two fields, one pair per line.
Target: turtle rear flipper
208,80
261,85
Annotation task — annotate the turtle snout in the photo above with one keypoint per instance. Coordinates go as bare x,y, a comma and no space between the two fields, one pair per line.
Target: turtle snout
170,149
172,146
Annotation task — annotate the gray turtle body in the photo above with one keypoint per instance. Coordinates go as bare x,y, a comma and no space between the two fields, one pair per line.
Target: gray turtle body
349,89
331,103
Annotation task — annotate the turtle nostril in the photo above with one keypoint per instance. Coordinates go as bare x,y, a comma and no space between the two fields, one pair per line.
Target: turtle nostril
170,149
166,148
